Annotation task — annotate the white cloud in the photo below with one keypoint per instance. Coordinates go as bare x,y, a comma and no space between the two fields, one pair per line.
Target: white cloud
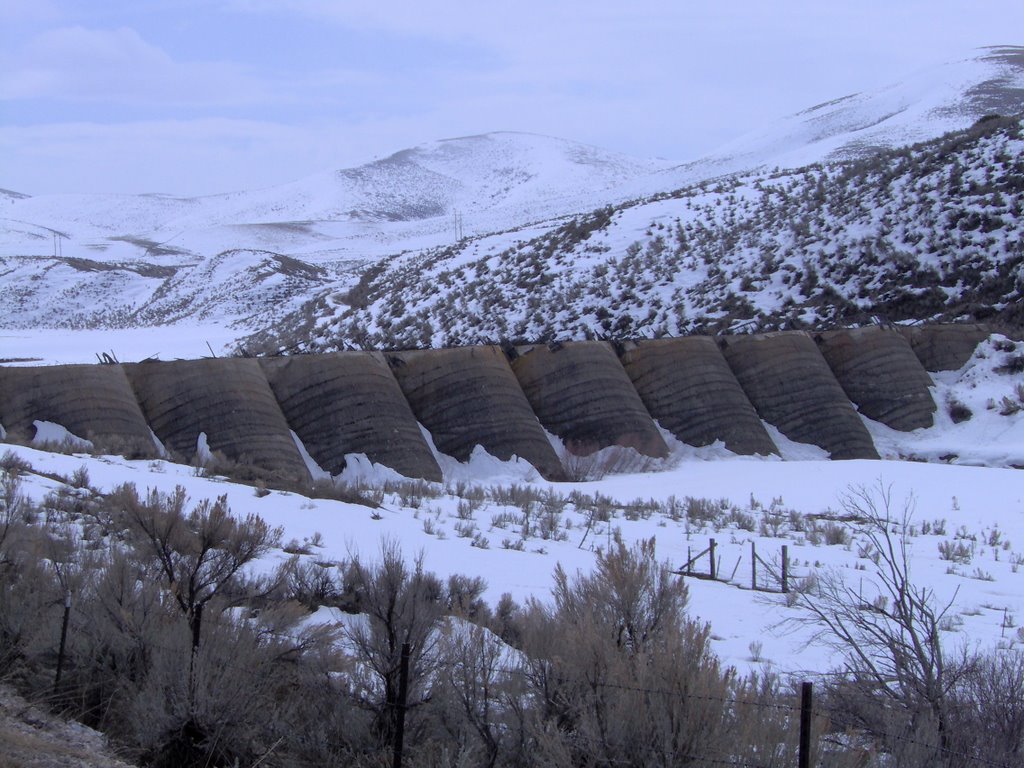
648,77
184,157
117,66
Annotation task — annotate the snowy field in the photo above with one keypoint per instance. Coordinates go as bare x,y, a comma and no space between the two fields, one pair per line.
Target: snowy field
980,508
965,533
64,347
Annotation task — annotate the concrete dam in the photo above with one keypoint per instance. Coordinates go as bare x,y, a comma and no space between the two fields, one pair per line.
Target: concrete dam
590,394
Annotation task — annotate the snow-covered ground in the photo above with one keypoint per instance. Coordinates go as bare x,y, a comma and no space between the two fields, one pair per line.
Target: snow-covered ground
980,507
46,346
966,531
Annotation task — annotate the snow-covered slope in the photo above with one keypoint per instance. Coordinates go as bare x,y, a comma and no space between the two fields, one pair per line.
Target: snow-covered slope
494,181
109,260
921,106
932,232
102,260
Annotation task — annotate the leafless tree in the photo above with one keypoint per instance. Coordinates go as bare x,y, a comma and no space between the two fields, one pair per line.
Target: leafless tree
896,673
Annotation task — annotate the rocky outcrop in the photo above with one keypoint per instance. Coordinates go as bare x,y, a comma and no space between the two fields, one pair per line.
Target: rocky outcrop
688,387
31,736
792,387
349,402
581,393
468,396
94,402
227,399
944,347
880,373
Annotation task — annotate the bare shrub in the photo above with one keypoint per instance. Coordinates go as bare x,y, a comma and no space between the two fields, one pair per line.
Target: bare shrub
476,696
12,463
614,460
624,694
400,605
199,554
988,721
312,583
957,411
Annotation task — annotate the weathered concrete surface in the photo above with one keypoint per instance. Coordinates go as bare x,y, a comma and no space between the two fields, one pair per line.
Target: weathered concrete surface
944,347
584,392
688,387
349,402
581,393
94,402
468,396
881,374
227,398
792,387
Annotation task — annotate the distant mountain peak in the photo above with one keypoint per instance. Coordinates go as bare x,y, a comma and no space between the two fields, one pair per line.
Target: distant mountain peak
11,194
923,105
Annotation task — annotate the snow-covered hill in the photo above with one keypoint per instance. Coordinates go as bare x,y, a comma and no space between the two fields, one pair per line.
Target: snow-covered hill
494,181
119,261
932,232
85,261
919,107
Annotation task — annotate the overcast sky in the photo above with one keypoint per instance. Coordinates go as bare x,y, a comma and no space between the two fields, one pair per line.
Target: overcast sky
203,96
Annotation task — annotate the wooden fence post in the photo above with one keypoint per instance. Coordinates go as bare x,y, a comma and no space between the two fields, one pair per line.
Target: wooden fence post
753,565
63,639
805,725
403,693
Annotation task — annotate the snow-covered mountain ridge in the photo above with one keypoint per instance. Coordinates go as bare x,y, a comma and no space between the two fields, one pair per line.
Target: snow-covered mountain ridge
104,260
76,261
493,181
921,106
924,233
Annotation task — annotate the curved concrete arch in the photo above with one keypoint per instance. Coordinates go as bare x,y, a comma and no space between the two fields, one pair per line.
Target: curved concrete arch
792,387
95,402
468,396
687,385
581,393
881,374
944,347
227,398
349,402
